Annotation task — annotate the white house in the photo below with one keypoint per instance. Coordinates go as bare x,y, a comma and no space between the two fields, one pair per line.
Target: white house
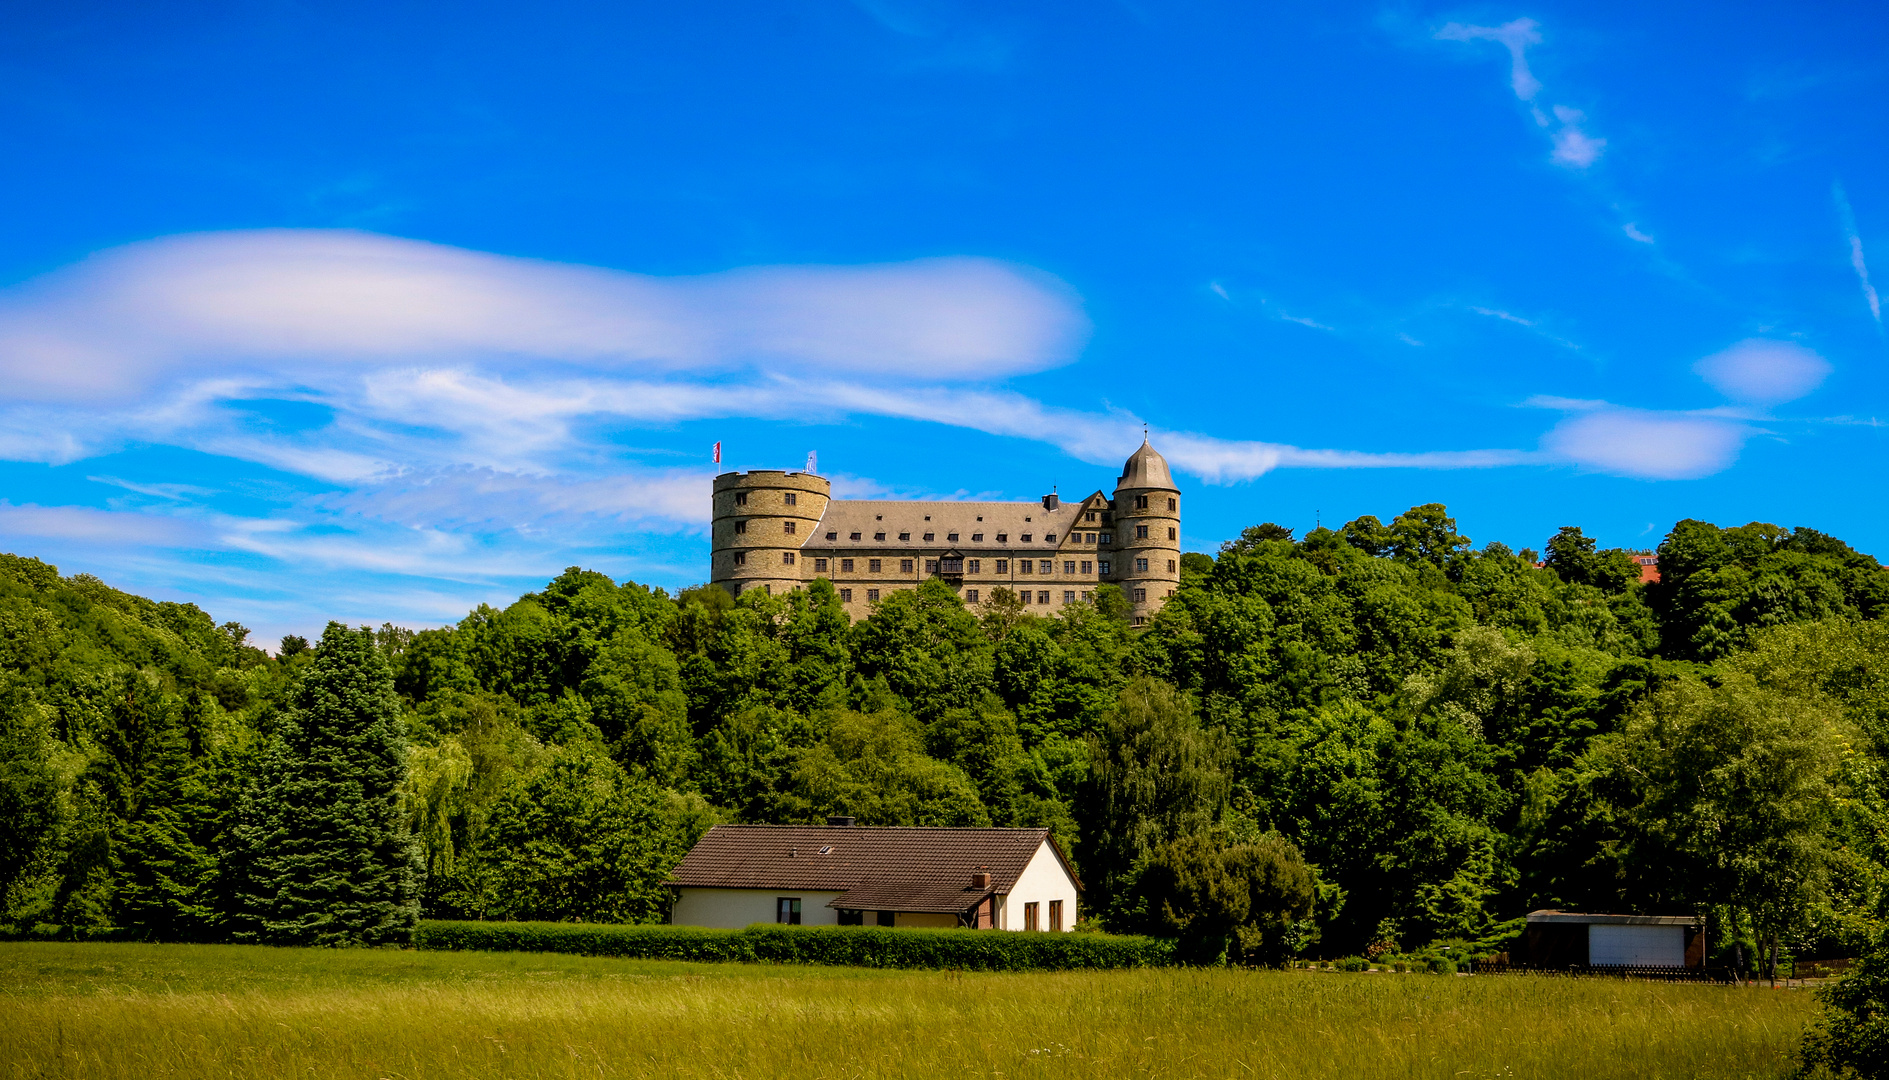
847,875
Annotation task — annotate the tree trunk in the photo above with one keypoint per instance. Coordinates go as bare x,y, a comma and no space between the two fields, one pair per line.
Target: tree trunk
1738,950
1774,938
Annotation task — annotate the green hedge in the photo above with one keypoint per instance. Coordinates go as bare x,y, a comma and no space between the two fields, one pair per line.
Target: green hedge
853,946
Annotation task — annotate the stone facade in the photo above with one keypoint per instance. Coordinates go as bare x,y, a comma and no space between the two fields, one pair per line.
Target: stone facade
781,530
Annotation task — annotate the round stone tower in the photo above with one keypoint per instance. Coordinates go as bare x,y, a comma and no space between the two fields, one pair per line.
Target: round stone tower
761,518
1147,533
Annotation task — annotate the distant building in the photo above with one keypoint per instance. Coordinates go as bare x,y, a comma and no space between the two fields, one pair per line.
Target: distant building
1563,939
1649,566
846,875
781,530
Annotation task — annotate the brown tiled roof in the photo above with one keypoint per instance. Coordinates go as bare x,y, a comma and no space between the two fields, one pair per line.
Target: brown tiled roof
975,524
882,869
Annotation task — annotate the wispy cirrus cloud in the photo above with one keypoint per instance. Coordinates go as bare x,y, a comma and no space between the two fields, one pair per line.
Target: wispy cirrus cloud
1571,144
1857,263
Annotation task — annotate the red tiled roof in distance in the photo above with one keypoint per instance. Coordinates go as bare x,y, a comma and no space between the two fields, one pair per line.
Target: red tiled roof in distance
889,868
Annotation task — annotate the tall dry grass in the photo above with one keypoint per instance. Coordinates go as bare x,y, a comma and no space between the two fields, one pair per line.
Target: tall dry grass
143,1012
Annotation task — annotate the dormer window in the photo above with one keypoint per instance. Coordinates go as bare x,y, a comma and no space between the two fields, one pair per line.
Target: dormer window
953,537
832,536
1049,538
905,536
930,535
1027,518
878,536
878,517
980,517
1025,538
977,538
853,536
1003,538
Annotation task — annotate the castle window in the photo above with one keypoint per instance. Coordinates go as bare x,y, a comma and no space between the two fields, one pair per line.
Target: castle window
1049,538
1003,566
1171,535
1102,567
1043,597
853,536
931,565
846,566
1087,596
905,566
1088,567
741,498
846,596
905,536
1069,596
1107,538
977,538
872,566
1171,568
1170,594
1069,566
767,590
1141,532
928,536
970,596
1025,566
1025,595
1048,567
1003,538
1141,620
1088,515
1141,502
1141,596
741,527
792,499
787,558
1141,566
878,536
819,566
953,537
741,558
872,594
832,536
1025,538
974,566
788,527
1107,517
1088,538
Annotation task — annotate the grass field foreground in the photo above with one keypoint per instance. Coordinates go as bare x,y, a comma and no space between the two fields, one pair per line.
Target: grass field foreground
152,1012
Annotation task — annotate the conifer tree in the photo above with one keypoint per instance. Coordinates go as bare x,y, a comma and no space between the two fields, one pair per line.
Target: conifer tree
325,854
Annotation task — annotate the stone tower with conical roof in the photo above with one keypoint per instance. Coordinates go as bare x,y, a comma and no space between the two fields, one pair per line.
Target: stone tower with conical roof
1147,533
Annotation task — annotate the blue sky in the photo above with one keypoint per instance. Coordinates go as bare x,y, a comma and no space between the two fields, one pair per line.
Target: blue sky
376,312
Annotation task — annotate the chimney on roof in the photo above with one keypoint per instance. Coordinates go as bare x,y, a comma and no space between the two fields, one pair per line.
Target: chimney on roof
980,879
1051,501
840,821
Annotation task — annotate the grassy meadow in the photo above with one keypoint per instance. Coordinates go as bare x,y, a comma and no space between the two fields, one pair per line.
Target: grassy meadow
152,1012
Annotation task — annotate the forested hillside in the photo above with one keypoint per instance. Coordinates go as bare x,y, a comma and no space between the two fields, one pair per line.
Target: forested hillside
1451,736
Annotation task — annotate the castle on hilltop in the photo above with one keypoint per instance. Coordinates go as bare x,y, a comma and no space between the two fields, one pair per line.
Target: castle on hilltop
778,531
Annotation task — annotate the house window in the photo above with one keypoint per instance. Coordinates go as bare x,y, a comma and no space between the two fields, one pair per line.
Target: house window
1141,620
852,536
741,527
1171,569
1088,567
1029,916
1025,595
1172,505
974,566
846,566
1102,567
1024,539
872,566
787,910
832,536
1047,566
787,558
1141,502
886,918
1049,538
1056,915
741,558
905,536
1003,566
1170,594
767,590
1069,596
970,596
1003,538
1043,597
878,536
849,917
872,594
977,538
741,498
1088,515
1088,538
846,596
788,527
905,566
1141,532
1141,566
931,565
792,499
1026,566
928,536
1141,596
1087,596
1069,566
1107,538
819,566
1172,535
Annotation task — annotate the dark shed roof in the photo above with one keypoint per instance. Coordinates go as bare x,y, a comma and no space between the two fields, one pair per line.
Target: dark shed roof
1550,915
883,869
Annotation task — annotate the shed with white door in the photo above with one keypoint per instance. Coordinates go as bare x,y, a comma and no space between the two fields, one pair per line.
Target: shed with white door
1564,939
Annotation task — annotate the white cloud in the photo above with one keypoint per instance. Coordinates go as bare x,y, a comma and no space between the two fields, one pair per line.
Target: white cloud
307,301
1575,148
1645,444
1761,372
1856,254
1633,233
1514,36
86,525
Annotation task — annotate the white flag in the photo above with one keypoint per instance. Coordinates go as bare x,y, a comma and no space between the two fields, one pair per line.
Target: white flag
813,461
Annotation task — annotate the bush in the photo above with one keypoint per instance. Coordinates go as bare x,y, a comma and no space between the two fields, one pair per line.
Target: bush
1442,965
1851,1037
1354,963
854,946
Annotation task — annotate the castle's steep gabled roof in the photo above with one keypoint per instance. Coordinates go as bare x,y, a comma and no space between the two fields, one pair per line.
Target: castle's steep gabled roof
869,517
1145,468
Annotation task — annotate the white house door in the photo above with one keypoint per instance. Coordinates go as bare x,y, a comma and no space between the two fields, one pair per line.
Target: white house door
1640,946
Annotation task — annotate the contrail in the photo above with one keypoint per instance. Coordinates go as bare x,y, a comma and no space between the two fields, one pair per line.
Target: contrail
1856,252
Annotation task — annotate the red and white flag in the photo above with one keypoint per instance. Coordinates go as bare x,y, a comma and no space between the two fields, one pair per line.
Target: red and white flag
718,453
